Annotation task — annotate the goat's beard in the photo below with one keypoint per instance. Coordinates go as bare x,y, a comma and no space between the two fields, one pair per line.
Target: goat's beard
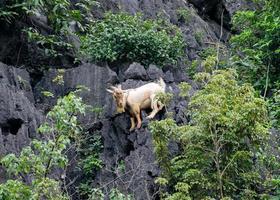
120,110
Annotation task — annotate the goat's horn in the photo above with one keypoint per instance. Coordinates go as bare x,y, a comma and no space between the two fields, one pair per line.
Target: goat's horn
113,87
110,91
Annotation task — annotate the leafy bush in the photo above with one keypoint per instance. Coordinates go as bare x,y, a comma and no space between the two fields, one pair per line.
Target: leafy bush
257,44
192,68
274,108
222,147
15,9
184,89
89,150
130,38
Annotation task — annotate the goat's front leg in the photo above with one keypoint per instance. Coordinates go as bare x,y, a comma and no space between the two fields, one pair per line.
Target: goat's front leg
139,121
137,113
132,121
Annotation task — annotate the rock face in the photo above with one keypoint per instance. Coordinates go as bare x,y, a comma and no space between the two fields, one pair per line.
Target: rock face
120,147
198,32
19,118
136,71
129,162
218,9
94,77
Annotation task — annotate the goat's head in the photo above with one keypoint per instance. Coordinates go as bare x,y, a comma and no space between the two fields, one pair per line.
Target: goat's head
119,96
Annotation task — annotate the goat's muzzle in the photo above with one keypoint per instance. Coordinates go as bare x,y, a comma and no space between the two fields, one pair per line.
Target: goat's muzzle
120,110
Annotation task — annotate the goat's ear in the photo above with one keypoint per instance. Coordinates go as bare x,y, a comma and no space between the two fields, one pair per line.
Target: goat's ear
110,91
119,86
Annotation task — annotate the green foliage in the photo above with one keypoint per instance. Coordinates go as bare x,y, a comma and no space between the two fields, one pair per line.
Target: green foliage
209,51
121,166
164,98
202,78
130,38
59,79
14,189
42,156
23,83
209,59
219,146
47,94
11,10
199,36
259,42
184,15
115,194
274,108
184,89
162,131
89,149
161,181
191,70
97,194
51,45
6,15
209,63
59,13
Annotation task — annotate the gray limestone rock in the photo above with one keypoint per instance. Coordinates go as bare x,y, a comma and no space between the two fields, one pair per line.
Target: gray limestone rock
19,118
136,71
94,77
154,72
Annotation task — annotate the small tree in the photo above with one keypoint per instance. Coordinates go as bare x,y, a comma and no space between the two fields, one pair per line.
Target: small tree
222,143
30,170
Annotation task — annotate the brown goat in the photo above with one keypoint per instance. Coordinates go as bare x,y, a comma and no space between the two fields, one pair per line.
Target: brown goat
135,100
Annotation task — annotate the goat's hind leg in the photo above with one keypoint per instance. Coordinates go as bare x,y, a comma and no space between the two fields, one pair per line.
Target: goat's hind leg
155,108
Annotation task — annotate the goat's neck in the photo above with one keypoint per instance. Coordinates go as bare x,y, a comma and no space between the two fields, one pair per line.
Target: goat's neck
125,95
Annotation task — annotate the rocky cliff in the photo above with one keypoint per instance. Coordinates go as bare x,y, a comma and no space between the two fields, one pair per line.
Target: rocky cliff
22,106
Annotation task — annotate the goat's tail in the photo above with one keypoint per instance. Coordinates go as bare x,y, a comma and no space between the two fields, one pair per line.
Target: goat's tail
162,83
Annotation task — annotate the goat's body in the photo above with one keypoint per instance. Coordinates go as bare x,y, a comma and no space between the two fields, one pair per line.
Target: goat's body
135,100
143,95
141,98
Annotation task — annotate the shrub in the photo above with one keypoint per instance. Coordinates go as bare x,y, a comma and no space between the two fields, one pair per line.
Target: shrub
130,38
258,44
222,147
